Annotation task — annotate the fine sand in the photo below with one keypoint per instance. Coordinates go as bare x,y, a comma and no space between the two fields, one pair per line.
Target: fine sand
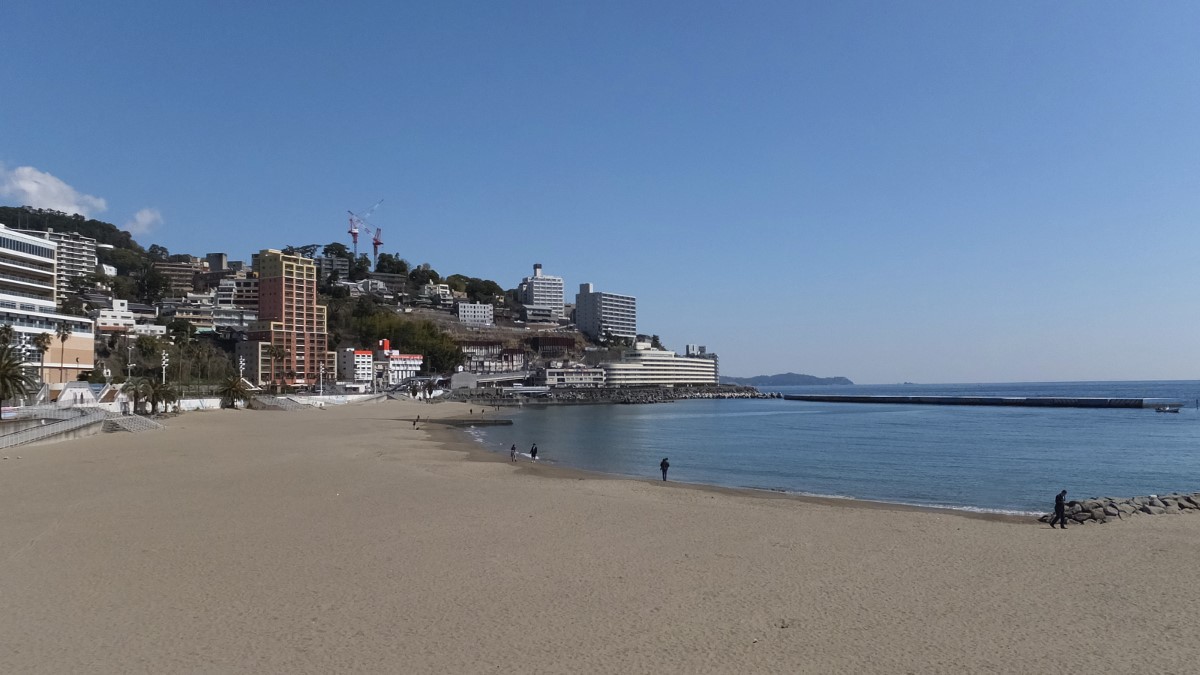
344,540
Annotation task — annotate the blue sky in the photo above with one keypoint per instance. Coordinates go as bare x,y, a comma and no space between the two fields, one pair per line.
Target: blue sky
922,191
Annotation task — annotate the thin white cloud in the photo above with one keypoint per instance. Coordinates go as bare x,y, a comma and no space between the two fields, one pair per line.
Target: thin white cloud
26,186
143,221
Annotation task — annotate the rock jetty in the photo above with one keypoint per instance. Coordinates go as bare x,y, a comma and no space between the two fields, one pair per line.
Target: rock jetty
1108,509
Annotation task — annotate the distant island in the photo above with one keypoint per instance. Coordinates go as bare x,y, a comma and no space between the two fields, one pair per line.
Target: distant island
783,380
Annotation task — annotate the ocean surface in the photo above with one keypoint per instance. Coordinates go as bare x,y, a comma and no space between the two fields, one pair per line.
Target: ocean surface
1009,460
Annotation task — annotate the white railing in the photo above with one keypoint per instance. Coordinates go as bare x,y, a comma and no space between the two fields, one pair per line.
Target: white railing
82,419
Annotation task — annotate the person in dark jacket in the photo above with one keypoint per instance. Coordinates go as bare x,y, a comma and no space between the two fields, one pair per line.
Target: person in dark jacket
533,452
1060,510
512,453
664,465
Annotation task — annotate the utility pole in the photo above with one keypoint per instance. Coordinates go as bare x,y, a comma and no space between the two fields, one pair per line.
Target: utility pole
128,359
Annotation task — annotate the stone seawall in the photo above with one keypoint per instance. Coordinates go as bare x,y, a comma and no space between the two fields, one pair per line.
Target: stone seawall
1107,509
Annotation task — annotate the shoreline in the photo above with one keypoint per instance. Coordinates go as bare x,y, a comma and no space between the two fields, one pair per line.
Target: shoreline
346,540
455,437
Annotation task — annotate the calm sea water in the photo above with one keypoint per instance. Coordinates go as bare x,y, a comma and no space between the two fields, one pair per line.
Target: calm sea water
992,459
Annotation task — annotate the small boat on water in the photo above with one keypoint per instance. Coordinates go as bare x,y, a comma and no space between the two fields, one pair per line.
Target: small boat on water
1167,408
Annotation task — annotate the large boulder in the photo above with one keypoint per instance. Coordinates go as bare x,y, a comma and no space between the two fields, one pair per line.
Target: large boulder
1080,516
1111,510
1152,510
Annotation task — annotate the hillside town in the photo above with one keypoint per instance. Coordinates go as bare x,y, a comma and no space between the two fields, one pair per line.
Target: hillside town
312,320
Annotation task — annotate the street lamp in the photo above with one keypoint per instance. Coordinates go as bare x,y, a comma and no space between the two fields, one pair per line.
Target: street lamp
321,382
128,359
165,361
241,366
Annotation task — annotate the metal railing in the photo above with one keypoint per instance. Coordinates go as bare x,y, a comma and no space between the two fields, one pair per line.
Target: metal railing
83,418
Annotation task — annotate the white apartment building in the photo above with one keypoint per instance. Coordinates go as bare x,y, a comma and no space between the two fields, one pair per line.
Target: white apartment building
355,365
477,314
542,290
437,292
573,377
27,303
598,314
645,367
118,319
75,255
395,366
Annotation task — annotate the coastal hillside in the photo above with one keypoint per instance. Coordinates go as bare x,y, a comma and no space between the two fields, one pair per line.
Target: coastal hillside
783,380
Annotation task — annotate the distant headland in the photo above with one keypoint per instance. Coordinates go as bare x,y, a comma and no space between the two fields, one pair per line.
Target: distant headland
783,380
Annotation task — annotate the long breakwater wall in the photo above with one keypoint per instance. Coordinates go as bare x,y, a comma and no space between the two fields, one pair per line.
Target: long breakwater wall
1027,402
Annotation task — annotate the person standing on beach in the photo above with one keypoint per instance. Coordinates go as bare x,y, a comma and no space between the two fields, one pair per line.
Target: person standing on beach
664,465
1060,510
533,452
512,453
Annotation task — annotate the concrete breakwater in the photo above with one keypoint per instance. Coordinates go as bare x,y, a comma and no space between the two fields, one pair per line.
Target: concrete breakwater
632,395
1029,402
1108,509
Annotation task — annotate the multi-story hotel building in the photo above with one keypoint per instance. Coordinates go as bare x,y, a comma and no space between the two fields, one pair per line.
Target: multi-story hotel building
289,318
75,256
27,303
599,314
542,290
644,367
355,365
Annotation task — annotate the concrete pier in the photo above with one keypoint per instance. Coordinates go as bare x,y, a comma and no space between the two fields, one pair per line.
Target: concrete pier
1027,402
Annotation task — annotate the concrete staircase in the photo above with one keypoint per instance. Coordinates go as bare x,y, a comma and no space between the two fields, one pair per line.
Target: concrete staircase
133,423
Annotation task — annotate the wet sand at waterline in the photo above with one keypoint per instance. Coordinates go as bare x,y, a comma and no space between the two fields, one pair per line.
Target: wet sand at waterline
345,540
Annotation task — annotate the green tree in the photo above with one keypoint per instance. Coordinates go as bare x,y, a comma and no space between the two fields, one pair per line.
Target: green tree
391,264
42,343
232,391
158,253
63,332
163,393
137,389
360,268
336,249
422,275
15,380
181,330
7,333
150,285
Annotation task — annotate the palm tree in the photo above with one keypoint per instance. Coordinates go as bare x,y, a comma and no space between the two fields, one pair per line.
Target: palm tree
136,388
233,390
161,393
15,381
62,331
42,342
7,333
275,353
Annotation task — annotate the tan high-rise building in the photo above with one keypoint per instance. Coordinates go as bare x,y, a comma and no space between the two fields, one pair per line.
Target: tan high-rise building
288,318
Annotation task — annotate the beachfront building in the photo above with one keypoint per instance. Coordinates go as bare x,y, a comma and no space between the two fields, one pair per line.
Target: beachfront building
74,256
355,365
644,366
576,377
395,366
28,303
289,319
599,315
475,314
701,352
542,290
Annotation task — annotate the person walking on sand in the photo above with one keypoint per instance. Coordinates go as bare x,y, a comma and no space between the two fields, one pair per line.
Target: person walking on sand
664,465
533,452
1060,510
512,453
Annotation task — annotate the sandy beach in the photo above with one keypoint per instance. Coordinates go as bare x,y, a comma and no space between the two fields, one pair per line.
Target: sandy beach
345,540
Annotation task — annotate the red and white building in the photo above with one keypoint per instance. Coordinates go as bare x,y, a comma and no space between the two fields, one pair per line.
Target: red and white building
394,366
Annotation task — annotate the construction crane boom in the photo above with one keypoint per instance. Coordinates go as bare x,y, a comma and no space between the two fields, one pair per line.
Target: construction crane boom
357,222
